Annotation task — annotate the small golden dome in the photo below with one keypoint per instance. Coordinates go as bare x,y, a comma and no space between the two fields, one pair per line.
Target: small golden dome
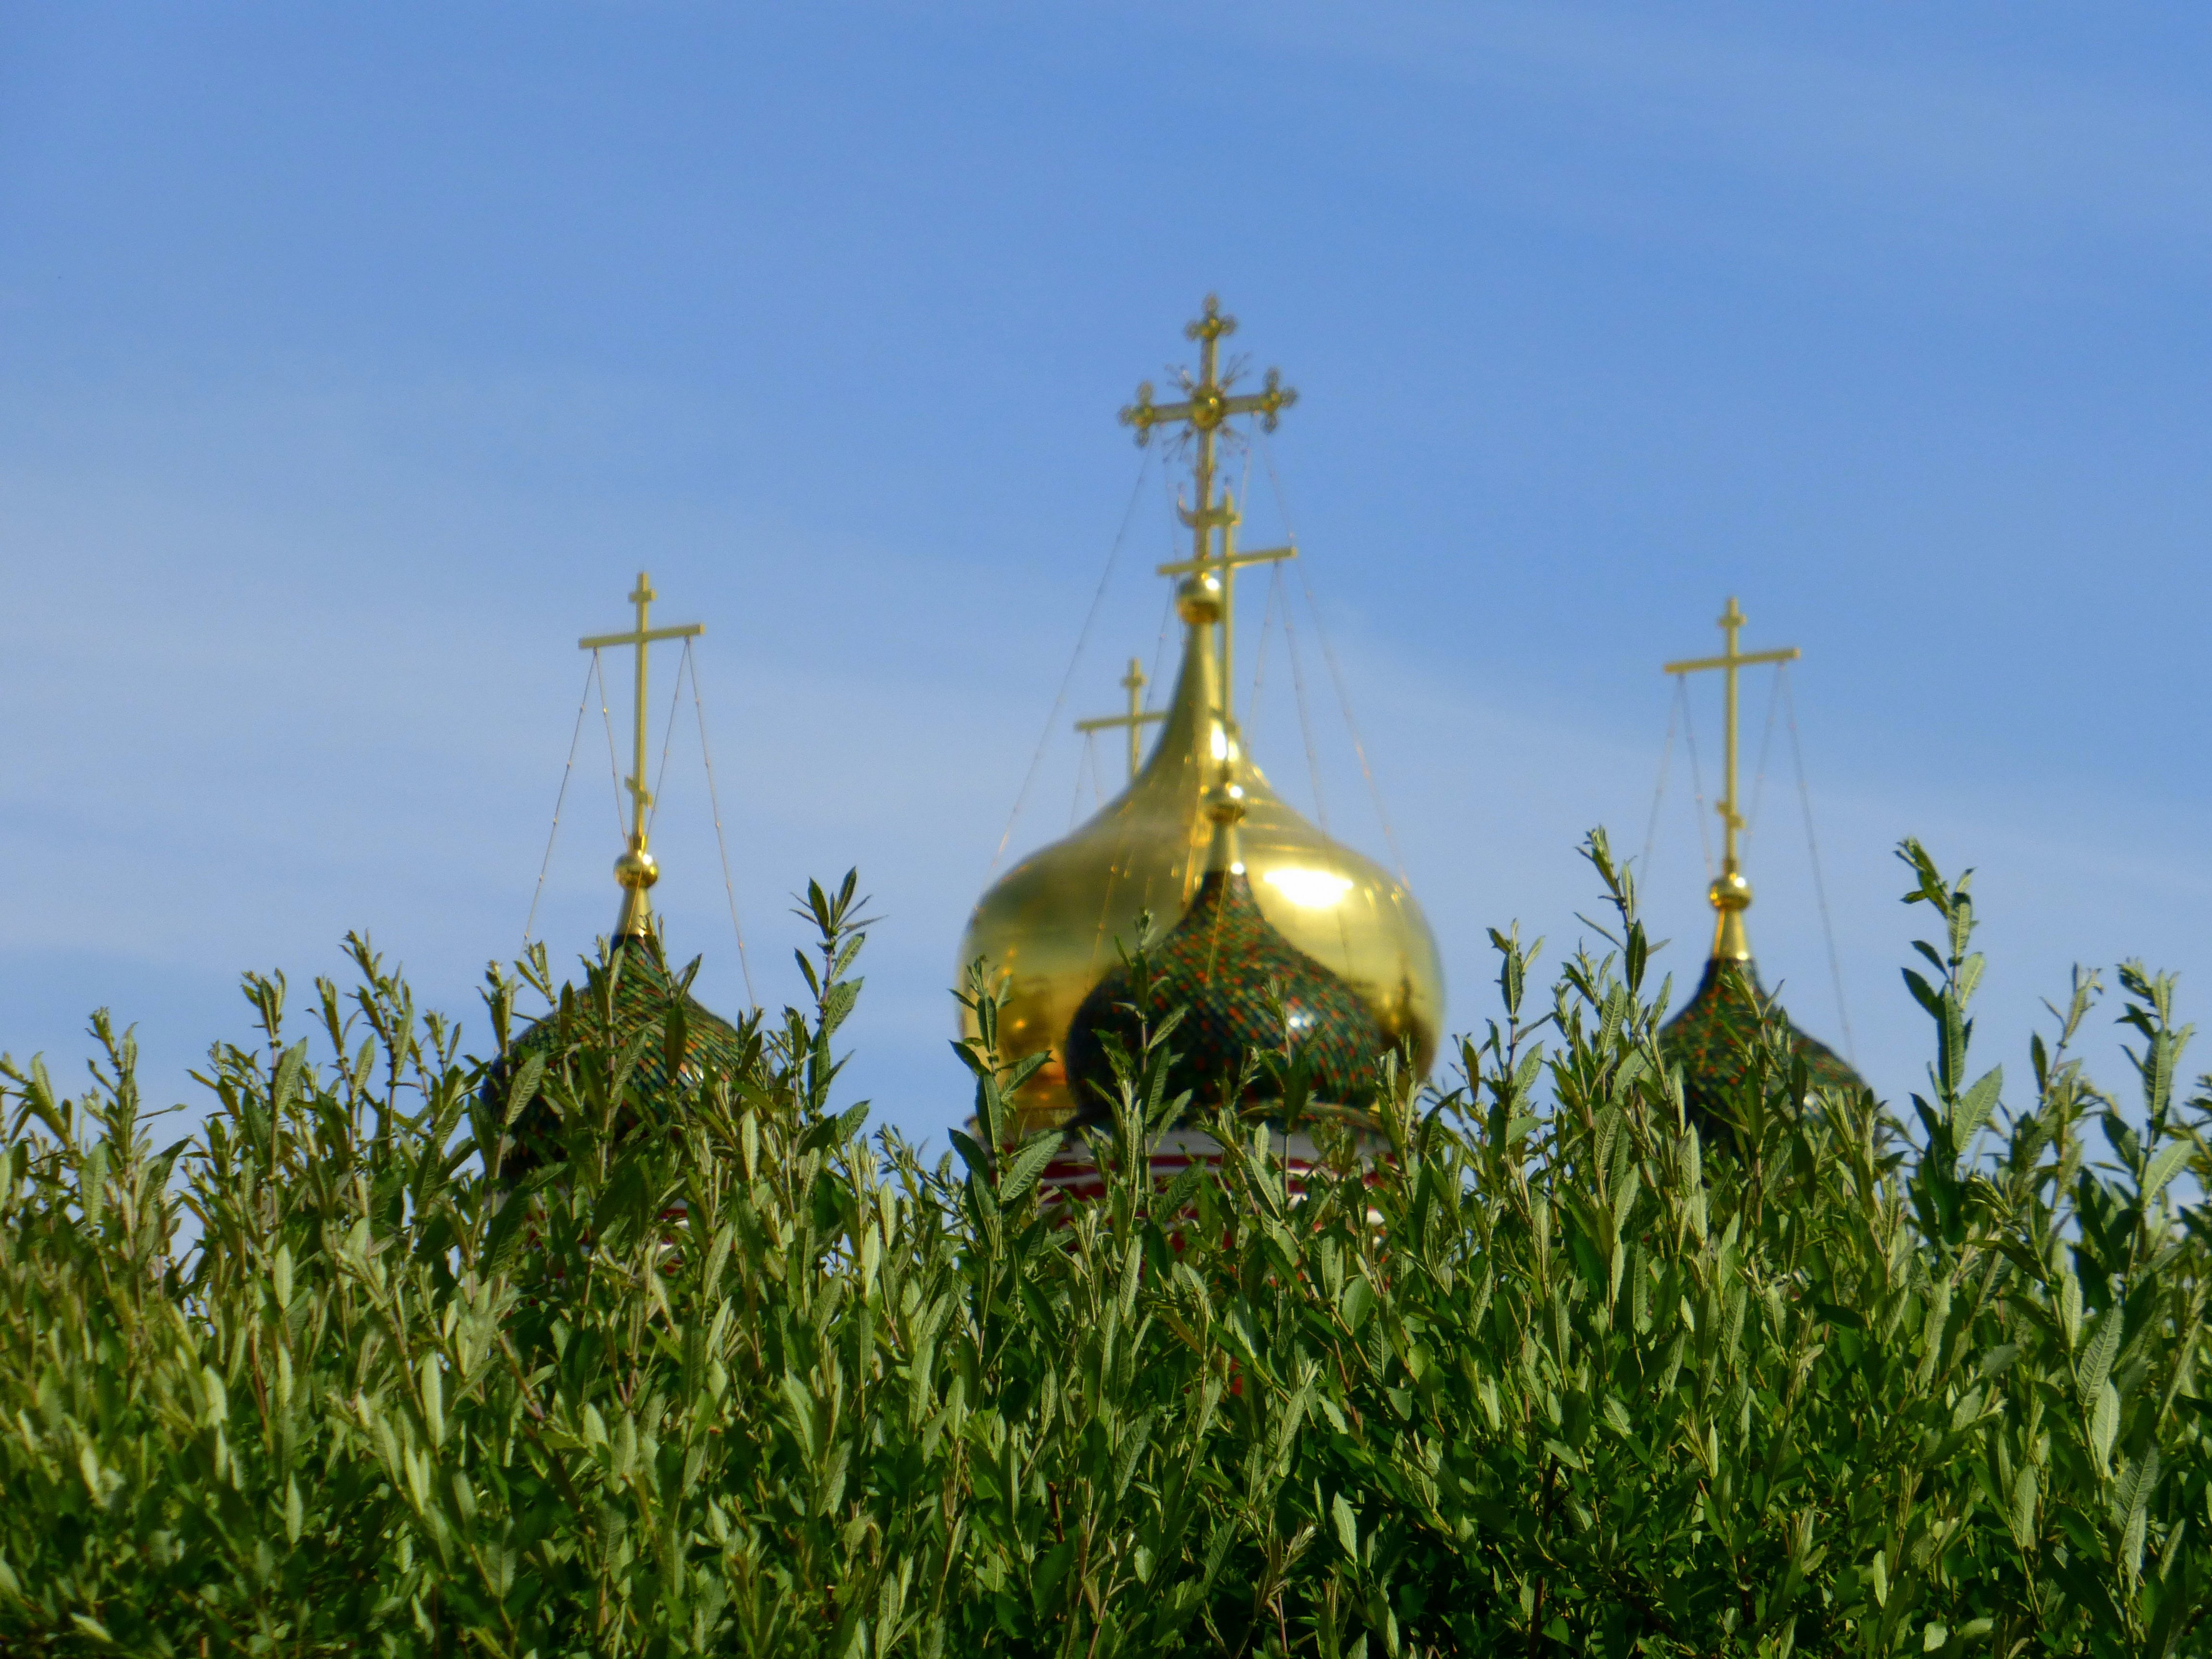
1056,924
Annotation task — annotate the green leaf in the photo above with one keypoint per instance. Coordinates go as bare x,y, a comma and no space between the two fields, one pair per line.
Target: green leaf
2103,1424
2172,1160
1924,994
1356,1303
1026,1164
1049,1572
2019,1512
977,1160
1975,1107
2131,1509
2098,1354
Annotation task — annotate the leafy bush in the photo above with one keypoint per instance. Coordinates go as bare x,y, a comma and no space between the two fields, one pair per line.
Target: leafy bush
1553,1378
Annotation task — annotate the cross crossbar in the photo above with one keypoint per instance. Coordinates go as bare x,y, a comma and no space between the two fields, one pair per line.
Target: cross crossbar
601,642
1748,660
1228,562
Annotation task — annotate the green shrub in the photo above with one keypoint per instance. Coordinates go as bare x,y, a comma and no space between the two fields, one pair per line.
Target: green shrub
1552,1378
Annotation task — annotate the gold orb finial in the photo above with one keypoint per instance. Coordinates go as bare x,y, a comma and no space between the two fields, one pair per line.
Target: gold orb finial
1731,895
1198,600
636,868
1732,891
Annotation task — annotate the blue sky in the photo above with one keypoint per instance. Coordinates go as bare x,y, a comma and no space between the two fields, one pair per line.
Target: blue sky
353,360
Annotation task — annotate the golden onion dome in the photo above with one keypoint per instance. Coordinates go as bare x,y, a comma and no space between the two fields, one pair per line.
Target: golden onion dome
1059,921
1714,1038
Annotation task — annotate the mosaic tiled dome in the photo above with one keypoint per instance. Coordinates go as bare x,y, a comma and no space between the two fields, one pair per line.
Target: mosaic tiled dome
1713,1036
1220,961
644,990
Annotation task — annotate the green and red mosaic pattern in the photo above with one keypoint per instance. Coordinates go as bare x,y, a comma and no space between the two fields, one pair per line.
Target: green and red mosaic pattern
1220,961
1715,1033
643,992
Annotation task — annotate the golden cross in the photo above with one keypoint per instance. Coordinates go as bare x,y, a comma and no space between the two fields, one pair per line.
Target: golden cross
1207,404
635,869
1136,720
1731,894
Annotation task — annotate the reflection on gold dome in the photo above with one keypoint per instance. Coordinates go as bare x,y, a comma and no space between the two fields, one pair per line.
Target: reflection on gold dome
1059,921
1055,925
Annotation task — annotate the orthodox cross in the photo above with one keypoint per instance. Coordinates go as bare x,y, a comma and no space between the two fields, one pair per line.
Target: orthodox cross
635,869
1731,883
1207,404
1136,720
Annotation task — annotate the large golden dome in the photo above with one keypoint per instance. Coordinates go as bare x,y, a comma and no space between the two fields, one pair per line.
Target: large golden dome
1057,922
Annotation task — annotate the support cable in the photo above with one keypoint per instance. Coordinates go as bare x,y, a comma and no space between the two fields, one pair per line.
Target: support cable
1160,648
667,737
1168,604
583,707
1259,658
713,802
1082,776
1696,775
1335,671
1305,718
1766,742
1820,886
1666,755
614,760
1082,639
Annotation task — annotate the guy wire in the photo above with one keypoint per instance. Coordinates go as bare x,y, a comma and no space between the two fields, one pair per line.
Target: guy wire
1697,774
1766,742
660,773
1335,672
1160,649
583,704
1116,874
1659,794
614,760
1305,720
1082,769
1170,554
1260,657
1813,846
713,803
1082,639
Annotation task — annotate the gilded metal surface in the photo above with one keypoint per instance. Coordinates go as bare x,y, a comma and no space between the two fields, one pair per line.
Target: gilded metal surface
1052,926
1731,895
1059,921
635,871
